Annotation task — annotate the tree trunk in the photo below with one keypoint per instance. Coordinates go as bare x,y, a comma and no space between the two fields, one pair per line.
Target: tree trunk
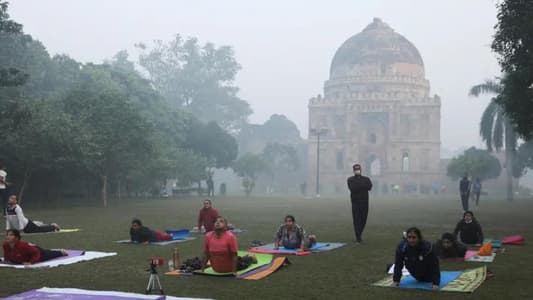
509,172
119,195
104,190
24,186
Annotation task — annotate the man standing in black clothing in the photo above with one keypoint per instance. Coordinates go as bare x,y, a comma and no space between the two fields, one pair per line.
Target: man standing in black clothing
359,186
464,189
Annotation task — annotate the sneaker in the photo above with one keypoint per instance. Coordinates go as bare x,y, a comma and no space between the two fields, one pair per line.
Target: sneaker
56,226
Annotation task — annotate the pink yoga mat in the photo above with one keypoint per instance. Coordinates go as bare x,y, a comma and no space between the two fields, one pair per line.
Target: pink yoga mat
513,240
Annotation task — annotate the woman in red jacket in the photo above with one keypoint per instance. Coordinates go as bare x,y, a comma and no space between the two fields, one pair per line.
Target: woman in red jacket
19,252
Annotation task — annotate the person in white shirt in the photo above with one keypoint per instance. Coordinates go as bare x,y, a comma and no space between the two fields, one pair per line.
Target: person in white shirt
15,219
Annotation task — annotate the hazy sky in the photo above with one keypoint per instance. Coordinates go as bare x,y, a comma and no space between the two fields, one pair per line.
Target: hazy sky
285,47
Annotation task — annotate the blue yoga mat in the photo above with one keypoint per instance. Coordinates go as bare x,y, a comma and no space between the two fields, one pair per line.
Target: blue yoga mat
283,249
178,234
446,277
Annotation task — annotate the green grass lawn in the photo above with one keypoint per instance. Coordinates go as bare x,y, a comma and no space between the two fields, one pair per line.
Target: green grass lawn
345,273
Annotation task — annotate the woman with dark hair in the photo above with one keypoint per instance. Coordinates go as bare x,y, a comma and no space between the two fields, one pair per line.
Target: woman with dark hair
292,236
145,235
449,247
469,229
220,249
19,252
418,257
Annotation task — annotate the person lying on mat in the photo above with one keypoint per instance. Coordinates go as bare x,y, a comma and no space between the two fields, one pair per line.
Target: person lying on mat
292,236
469,229
418,257
449,247
19,252
207,216
145,235
15,219
220,249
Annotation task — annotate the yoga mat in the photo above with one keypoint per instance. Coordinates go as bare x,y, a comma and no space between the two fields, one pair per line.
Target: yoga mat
60,231
254,274
162,243
262,260
451,281
234,230
264,271
318,247
513,240
471,256
74,256
178,234
495,243
80,294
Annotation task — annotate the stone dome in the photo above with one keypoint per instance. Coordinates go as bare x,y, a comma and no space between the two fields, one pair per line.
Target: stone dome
378,49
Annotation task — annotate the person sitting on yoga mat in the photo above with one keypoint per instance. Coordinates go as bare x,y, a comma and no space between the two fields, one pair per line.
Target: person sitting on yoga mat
418,257
292,236
449,247
19,252
15,219
220,249
145,235
469,229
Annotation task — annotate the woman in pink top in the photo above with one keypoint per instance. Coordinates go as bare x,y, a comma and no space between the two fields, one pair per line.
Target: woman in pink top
220,249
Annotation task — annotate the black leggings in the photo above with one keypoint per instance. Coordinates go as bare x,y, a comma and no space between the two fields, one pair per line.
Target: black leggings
48,254
33,228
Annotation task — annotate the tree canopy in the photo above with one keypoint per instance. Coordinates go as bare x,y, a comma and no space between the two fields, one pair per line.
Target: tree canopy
476,163
513,41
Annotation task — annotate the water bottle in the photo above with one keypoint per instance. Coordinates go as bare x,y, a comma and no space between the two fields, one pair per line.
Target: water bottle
176,259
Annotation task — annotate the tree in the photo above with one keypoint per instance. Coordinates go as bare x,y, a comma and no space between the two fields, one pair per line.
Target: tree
248,167
9,76
198,79
496,129
215,144
476,162
282,161
514,43
113,136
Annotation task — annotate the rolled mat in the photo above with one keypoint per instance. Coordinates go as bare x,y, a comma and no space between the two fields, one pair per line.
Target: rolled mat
513,240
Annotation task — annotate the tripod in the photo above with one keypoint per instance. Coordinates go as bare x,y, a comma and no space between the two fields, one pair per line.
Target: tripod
153,280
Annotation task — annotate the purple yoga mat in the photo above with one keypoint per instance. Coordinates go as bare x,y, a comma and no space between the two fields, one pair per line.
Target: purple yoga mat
35,294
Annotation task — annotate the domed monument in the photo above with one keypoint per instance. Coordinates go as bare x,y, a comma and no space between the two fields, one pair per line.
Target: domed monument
376,111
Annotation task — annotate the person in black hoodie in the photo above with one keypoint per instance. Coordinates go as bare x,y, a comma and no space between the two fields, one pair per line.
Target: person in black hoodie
469,229
464,189
418,257
145,235
449,247
359,186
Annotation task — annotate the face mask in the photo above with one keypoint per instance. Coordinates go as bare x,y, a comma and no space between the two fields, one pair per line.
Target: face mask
358,172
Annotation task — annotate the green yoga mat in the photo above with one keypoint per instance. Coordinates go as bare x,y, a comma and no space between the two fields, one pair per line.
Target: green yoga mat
262,260
467,281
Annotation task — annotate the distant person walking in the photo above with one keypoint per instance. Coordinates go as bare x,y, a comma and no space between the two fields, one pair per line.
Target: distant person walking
464,189
210,186
359,186
476,189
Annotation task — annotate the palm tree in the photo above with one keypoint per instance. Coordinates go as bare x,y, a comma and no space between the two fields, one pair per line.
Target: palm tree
496,129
